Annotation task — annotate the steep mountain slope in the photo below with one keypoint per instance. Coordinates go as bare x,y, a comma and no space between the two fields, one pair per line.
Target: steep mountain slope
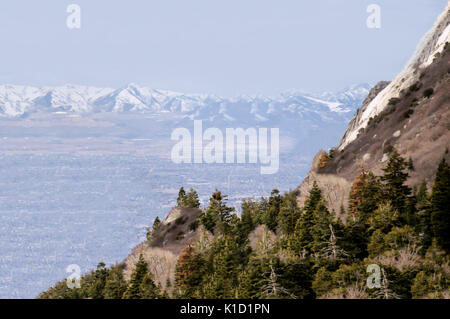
410,114
429,47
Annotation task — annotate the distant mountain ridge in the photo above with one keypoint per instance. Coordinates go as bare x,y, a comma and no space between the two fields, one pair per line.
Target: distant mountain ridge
19,101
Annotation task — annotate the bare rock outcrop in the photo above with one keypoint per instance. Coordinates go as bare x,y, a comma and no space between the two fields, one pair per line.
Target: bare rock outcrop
430,47
357,117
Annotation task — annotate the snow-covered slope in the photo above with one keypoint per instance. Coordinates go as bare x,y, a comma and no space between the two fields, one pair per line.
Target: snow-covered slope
16,100
23,100
431,44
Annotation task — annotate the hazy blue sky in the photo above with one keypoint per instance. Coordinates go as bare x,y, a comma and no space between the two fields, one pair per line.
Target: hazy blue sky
227,47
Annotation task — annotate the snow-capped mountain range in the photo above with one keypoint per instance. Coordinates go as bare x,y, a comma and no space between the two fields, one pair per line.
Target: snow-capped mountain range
21,101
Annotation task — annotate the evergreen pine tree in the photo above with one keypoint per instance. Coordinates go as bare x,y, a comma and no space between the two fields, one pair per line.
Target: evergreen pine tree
156,224
394,178
98,285
342,210
302,242
208,219
216,213
189,273
245,226
320,229
181,197
306,237
440,206
191,199
115,285
226,263
364,195
410,164
168,283
134,289
270,216
148,289
252,278
289,214
155,227
423,213
322,282
315,195
355,237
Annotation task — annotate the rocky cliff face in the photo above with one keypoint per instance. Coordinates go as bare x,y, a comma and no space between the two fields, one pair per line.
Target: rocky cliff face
431,45
355,122
410,114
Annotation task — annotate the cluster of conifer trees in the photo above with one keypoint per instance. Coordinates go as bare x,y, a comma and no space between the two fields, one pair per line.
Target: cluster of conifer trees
188,200
276,249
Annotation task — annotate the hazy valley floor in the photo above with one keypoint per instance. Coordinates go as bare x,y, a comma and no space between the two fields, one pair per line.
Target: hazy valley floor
63,209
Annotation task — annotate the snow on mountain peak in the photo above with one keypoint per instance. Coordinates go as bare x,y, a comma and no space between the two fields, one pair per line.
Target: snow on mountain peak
16,100
334,106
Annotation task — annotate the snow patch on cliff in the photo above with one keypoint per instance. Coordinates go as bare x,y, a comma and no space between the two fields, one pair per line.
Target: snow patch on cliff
432,43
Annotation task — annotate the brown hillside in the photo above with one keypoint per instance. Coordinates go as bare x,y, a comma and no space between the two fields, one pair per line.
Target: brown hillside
161,253
416,123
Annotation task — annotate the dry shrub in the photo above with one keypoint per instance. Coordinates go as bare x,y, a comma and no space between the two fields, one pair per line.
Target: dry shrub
406,257
356,292
161,263
262,240
350,292
323,160
203,239
446,267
